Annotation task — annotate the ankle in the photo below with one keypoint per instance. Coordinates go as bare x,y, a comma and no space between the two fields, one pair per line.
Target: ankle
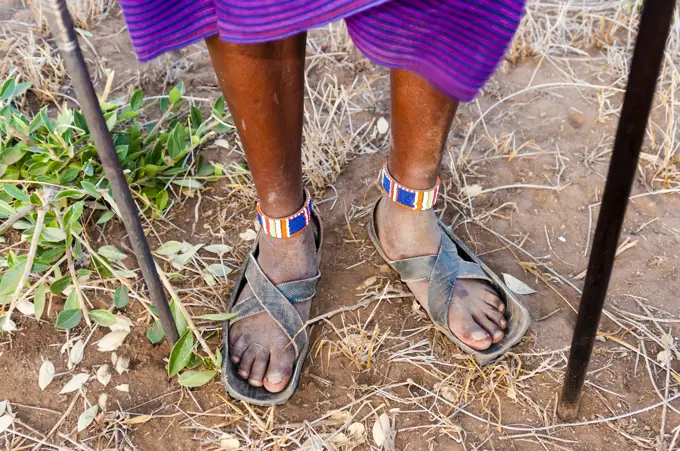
404,232
287,259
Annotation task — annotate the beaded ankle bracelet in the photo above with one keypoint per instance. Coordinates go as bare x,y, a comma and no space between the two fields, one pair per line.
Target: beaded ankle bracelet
290,226
407,197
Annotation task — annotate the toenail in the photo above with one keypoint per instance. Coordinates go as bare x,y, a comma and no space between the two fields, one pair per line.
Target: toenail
235,359
275,377
479,336
243,374
255,383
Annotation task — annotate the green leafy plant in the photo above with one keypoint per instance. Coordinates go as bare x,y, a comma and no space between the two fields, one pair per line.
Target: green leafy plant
52,187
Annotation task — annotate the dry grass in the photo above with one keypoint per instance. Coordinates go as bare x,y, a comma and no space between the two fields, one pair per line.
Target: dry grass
31,58
85,13
602,32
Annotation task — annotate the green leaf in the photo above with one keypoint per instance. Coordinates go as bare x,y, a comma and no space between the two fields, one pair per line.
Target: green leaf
6,209
155,333
218,107
39,300
181,353
103,317
90,189
68,319
180,320
176,93
174,96
7,89
12,154
73,213
112,253
59,285
111,120
121,297
196,117
196,378
188,183
72,301
136,100
21,88
15,192
51,255
10,281
218,357
34,199
69,175
217,316
53,234
163,104
162,200
105,217
88,169
194,362
169,248
70,194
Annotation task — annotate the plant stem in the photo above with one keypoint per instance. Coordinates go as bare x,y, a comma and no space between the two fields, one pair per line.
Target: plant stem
74,276
183,311
15,217
29,260
42,279
128,285
76,286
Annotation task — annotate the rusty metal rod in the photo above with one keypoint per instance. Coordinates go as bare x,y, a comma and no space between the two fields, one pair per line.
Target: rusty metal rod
647,58
62,30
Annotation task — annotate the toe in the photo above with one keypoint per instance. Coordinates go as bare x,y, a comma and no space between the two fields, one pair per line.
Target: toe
473,335
247,360
497,317
492,328
237,349
259,368
494,301
279,371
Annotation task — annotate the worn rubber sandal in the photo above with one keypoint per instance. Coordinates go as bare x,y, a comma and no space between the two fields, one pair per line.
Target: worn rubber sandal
454,261
277,301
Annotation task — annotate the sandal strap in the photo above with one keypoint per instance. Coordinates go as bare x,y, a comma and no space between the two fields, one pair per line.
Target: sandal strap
471,270
444,276
295,292
247,307
442,270
272,301
415,268
299,291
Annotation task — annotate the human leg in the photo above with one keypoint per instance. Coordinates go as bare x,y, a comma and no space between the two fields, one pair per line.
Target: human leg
263,85
421,118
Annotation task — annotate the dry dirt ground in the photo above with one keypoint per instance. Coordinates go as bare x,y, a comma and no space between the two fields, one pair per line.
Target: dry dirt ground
522,187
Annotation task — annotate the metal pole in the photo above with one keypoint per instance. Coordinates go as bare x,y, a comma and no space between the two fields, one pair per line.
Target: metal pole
647,57
62,29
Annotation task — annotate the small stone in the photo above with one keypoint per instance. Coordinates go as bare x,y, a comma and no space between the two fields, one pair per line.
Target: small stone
575,119
383,125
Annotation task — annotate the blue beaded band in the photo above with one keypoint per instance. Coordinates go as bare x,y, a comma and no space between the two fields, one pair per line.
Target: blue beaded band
287,227
410,198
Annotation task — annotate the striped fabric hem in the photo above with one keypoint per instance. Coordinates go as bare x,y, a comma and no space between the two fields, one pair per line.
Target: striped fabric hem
454,44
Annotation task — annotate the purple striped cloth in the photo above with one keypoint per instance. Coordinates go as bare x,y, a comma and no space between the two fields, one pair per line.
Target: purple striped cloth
455,44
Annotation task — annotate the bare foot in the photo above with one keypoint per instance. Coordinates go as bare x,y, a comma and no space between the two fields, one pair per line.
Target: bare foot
476,314
257,343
